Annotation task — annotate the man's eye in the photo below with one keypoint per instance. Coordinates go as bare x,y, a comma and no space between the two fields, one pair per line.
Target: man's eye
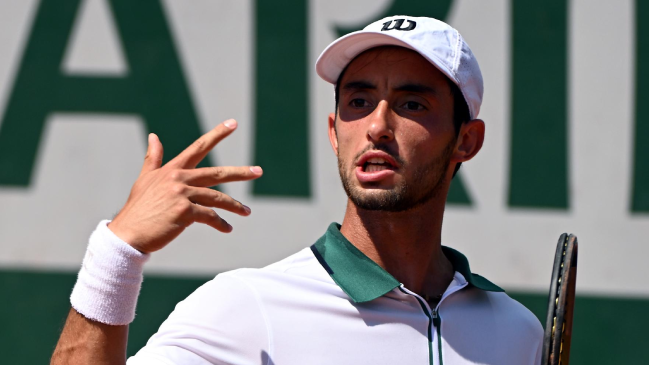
413,105
358,103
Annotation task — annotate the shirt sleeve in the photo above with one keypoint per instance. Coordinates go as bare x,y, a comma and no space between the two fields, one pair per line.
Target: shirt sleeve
222,322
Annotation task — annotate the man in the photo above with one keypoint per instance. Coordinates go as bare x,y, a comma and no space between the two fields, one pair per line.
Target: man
379,289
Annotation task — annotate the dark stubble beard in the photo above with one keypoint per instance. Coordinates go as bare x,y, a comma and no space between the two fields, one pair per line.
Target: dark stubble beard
426,182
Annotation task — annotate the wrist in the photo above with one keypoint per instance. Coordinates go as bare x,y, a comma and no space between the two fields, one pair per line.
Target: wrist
109,281
123,234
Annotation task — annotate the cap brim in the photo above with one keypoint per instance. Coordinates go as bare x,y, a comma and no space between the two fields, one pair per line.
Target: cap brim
338,54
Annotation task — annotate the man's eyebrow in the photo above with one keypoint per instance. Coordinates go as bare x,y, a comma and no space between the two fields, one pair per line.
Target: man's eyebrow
417,88
413,88
359,85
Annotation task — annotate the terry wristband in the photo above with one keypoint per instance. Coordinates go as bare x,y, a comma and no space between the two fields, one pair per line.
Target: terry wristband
109,281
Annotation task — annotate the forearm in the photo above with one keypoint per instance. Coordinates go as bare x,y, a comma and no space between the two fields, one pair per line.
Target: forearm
84,341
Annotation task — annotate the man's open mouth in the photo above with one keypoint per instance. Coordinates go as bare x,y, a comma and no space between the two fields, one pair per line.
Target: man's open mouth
376,161
376,164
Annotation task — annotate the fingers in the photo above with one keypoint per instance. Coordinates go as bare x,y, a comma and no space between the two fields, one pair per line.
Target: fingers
153,158
193,154
208,216
210,176
215,199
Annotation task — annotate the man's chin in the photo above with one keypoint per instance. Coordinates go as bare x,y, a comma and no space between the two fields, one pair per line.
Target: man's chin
379,200
374,188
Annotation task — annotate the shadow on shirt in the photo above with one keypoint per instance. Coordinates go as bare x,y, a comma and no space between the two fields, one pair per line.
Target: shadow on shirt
265,358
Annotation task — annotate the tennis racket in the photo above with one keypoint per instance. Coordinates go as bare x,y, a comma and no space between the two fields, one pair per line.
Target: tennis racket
558,326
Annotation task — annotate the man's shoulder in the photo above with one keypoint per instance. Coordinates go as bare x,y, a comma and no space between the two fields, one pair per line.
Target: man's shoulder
299,268
491,326
231,291
515,311
300,263
499,309
510,314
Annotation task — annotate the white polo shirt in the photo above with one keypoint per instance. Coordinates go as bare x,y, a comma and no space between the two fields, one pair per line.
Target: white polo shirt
331,304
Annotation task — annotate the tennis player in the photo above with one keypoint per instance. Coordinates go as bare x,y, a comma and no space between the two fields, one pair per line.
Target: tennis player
380,288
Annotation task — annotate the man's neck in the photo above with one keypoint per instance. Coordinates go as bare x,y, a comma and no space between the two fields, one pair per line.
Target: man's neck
405,244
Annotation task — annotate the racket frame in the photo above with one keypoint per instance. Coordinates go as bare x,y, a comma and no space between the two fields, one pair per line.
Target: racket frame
561,302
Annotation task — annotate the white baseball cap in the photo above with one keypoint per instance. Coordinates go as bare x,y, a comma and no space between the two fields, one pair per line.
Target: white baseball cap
438,42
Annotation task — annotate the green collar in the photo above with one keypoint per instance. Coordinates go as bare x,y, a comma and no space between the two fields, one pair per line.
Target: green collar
362,279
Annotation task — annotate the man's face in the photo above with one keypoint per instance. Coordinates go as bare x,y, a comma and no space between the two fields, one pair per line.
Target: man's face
394,133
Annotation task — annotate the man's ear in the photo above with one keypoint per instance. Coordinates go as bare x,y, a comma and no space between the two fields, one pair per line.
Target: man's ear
333,139
469,140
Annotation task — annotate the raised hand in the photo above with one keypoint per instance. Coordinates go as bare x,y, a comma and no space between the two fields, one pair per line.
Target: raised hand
167,199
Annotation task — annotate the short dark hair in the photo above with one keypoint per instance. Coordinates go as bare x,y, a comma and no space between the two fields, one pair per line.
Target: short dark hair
461,112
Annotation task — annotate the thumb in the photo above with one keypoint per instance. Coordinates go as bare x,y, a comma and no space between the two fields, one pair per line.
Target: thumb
153,158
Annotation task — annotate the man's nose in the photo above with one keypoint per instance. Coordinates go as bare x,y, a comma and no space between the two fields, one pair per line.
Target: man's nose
380,129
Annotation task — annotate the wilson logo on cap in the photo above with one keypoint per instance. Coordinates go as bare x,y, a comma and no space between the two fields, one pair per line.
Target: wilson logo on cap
397,25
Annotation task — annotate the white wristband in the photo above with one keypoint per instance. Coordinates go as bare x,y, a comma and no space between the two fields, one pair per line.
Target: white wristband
109,280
